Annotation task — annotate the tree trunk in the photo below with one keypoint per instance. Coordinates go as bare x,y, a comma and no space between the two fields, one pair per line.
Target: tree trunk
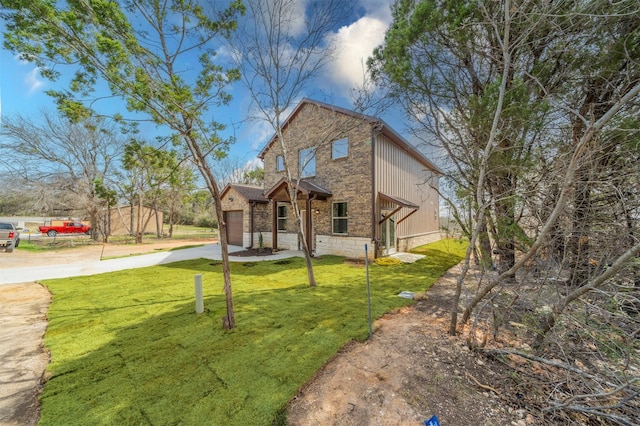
578,247
486,255
228,320
158,224
301,238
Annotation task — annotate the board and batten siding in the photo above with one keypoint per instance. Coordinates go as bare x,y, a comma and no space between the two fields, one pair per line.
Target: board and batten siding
397,173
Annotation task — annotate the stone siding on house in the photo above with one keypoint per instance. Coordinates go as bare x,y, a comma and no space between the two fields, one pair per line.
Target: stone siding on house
406,243
349,178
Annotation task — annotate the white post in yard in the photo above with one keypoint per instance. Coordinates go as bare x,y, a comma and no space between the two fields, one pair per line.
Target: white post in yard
199,299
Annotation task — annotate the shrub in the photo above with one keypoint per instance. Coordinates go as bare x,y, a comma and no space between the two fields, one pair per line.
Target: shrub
206,221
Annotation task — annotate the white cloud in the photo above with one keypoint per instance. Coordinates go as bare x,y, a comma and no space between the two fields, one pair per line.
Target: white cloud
32,81
259,134
379,9
297,24
356,43
259,131
253,164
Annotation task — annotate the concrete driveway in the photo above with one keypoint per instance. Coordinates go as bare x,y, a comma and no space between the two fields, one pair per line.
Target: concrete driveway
207,251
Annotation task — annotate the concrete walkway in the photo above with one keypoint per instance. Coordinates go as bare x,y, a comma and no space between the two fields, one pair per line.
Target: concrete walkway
23,321
207,251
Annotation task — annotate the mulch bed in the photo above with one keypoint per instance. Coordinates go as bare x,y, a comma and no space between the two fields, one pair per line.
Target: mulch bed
253,252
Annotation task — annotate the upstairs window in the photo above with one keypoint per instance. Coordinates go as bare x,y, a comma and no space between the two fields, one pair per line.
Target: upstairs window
340,218
282,218
340,148
279,163
307,162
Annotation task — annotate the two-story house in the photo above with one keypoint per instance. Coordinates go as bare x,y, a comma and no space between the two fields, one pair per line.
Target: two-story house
358,182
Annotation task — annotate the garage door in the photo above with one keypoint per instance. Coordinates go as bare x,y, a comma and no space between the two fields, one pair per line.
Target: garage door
233,219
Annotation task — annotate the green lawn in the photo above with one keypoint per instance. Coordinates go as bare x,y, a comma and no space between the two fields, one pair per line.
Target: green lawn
128,348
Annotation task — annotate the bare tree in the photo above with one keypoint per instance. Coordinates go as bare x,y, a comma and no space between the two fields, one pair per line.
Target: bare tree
281,50
536,105
66,157
235,169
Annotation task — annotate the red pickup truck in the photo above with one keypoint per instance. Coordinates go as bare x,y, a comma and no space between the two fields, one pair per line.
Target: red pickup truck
65,228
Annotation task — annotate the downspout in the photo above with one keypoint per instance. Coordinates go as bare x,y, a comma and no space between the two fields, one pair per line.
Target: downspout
309,224
274,224
374,237
251,207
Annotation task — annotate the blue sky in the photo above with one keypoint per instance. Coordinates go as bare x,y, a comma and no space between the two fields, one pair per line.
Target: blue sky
22,89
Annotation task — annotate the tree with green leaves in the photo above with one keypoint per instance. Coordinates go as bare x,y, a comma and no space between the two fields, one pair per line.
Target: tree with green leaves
536,105
160,57
148,171
108,197
176,192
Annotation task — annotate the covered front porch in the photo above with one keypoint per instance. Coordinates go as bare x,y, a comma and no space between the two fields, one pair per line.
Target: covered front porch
306,193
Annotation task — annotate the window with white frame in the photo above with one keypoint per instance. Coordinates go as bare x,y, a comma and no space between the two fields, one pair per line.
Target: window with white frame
340,218
307,162
282,218
340,148
279,163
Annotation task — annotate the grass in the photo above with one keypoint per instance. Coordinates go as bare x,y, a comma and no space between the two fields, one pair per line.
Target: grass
128,348
48,245
63,242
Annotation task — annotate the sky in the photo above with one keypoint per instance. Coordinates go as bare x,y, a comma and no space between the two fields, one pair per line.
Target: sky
22,89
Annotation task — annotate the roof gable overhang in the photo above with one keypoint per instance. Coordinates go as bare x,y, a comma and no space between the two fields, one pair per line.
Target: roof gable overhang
280,191
300,106
377,124
248,193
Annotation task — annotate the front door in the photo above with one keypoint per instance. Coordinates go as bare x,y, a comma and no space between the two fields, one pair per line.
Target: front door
388,231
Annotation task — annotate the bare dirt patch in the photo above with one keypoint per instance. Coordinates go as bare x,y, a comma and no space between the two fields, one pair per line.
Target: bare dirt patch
409,371
267,251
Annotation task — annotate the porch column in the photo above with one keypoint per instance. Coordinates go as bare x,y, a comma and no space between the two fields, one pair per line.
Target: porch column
308,225
274,225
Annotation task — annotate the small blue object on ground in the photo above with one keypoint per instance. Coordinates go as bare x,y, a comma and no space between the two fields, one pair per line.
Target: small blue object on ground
433,421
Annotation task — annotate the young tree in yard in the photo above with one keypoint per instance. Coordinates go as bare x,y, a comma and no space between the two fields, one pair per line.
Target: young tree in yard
536,105
148,172
157,56
109,199
177,190
67,157
281,50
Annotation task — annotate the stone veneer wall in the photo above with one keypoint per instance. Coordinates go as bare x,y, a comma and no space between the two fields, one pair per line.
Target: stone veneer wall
352,247
238,203
407,243
261,219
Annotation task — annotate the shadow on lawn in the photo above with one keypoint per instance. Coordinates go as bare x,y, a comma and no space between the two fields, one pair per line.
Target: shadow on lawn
133,359
179,367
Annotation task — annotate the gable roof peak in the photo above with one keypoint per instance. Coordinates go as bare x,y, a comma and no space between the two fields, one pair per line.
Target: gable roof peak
378,125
